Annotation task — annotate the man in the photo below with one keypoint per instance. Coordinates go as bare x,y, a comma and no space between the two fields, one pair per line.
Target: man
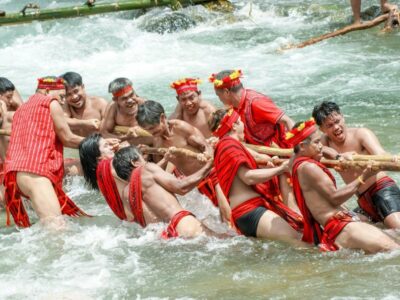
84,113
356,8
379,197
122,111
264,123
34,160
256,210
191,107
142,192
326,222
9,94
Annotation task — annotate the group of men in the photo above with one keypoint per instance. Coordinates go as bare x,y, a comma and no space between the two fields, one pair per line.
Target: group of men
199,146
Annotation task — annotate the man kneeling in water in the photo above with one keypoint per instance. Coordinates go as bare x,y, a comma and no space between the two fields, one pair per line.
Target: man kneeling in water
142,192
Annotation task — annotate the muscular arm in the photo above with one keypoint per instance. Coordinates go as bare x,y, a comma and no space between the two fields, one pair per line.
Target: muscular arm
179,186
370,142
194,137
286,121
251,177
61,127
108,123
313,177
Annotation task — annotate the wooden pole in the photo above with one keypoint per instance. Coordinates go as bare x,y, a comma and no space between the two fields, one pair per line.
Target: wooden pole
86,10
124,130
270,151
360,165
5,132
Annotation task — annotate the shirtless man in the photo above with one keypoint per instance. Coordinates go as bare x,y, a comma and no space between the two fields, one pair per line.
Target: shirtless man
191,107
122,111
264,122
379,197
134,188
34,160
84,113
9,94
356,8
256,211
326,222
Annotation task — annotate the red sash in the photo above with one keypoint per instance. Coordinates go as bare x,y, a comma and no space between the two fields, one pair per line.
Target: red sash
229,155
135,196
365,199
312,229
15,206
108,188
171,232
207,186
332,229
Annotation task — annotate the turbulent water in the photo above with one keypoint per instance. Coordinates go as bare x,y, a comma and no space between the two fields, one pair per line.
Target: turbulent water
102,258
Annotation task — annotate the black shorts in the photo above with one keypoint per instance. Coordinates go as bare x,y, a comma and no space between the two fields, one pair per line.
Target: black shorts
248,223
387,201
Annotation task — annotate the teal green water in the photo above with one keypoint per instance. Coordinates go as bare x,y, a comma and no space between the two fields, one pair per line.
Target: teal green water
101,258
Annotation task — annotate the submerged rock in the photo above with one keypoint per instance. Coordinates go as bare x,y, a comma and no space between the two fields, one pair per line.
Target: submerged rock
167,23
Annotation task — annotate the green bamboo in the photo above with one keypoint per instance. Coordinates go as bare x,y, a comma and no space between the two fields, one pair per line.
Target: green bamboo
85,10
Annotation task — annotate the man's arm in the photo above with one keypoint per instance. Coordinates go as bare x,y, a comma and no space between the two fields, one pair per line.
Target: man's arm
179,186
108,123
313,177
61,127
286,121
370,142
251,177
194,137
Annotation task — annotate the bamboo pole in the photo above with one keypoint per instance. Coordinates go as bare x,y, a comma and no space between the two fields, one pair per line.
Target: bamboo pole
270,150
360,165
5,132
125,129
175,151
86,10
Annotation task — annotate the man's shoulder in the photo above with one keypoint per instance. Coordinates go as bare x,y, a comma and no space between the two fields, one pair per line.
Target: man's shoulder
97,100
207,106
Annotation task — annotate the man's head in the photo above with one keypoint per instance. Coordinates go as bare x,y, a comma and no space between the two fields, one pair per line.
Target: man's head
7,89
151,116
226,83
75,94
305,139
124,95
92,149
53,86
188,95
330,121
223,122
125,160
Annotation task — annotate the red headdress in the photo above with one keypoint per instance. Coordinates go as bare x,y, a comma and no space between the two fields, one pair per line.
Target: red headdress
226,123
301,132
185,84
51,83
122,91
227,82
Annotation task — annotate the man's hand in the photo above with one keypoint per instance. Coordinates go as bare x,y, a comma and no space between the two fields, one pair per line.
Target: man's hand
114,143
367,172
285,167
92,124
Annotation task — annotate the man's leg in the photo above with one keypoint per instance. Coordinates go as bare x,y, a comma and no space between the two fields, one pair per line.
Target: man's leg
189,227
356,7
359,235
41,192
392,220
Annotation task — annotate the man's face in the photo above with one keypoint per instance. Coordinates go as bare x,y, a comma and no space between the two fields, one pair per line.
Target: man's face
106,149
159,129
75,96
7,97
334,127
223,95
128,103
313,146
240,129
190,101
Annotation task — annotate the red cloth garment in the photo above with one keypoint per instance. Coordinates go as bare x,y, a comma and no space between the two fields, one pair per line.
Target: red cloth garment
171,232
35,148
333,228
229,155
15,206
365,199
207,186
108,188
260,116
312,232
135,196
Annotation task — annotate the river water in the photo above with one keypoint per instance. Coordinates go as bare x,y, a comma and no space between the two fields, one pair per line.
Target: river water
102,258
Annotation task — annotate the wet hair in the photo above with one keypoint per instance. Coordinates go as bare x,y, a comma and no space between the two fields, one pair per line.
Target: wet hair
226,73
6,85
118,84
72,79
89,153
215,118
323,110
122,161
149,113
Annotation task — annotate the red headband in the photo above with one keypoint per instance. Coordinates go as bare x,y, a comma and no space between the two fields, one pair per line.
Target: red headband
301,132
227,82
185,84
122,91
50,83
226,123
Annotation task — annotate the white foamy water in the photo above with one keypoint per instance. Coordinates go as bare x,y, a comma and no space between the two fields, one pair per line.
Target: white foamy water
102,258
